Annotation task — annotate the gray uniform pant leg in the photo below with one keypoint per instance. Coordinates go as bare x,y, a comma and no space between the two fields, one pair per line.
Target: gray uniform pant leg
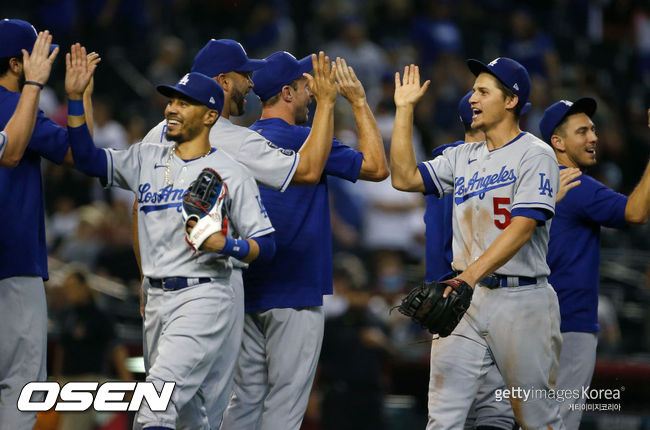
23,346
487,410
577,362
275,369
185,332
525,339
216,405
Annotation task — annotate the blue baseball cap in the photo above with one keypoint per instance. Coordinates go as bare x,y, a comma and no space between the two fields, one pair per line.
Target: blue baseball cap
223,56
512,74
281,69
465,109
556,113
198,87
15,35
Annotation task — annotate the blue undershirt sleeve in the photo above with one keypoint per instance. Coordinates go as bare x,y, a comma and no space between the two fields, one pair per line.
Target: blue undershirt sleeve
87,158
266,244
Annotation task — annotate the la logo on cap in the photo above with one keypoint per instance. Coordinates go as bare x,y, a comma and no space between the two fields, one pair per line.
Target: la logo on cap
566,102
184,80
493,62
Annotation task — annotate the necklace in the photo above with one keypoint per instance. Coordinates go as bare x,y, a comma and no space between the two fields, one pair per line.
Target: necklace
169,160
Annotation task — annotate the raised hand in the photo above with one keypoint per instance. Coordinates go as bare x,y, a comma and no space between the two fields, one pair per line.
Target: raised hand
38,64
567,181
348,84
408,90
323,84
78,72
93,59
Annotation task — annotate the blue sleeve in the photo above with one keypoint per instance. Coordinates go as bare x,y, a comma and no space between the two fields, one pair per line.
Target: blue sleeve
599,204
344,162
87,158
267,247
540,215
49,139
429,187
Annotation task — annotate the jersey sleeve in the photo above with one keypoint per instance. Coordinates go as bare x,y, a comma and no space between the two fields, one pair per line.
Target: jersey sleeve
246,211
3,142
49,139
600,204
343,162
539,178
156,134
123,167
438,174
270,166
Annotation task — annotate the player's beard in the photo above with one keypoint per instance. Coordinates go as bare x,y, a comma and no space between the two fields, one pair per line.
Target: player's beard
187,132
237,97
301,115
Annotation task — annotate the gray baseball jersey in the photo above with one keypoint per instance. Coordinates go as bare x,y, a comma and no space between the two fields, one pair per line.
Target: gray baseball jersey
164,253
490,187
271,166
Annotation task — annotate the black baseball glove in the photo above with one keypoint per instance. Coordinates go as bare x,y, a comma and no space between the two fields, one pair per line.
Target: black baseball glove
203,202
426,306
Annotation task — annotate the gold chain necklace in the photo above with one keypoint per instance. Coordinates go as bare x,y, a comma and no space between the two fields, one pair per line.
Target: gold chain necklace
169,160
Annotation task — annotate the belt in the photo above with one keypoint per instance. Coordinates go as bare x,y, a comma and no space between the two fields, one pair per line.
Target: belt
171,284
496,281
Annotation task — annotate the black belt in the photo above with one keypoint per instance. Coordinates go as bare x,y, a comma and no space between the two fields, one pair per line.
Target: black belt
496,281
171,284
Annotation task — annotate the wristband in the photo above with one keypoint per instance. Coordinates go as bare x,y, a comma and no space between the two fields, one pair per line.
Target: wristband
75,107
238,248
39,85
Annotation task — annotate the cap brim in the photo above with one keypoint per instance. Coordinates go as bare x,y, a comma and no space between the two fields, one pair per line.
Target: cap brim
586,105
306,65
477,67
171,91
250,66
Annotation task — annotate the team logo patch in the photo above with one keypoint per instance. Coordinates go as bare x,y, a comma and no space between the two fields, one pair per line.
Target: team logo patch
545,186
184,80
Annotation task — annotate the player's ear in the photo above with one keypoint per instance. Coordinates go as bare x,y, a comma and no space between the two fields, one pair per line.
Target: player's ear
210,117
558,143
222,79
286,93
511,102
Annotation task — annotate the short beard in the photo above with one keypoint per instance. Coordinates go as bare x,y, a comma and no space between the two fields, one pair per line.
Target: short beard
178,138
238,98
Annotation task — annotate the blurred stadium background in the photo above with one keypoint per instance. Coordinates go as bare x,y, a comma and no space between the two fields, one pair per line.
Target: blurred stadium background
572,48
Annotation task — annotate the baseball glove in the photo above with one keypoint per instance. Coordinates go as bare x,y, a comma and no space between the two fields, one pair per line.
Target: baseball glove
203,202
426,306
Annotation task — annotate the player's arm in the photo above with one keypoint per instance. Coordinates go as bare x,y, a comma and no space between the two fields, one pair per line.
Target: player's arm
316,148
87,158
637,208
404,171
20,127
247,250
506,245
374,166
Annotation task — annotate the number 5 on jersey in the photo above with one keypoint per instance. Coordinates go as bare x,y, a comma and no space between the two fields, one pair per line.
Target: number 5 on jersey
499,211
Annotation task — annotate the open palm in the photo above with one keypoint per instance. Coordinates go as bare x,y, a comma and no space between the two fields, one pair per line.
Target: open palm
408,90
78,72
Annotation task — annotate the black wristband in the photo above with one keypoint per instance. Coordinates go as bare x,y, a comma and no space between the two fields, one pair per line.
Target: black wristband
34,83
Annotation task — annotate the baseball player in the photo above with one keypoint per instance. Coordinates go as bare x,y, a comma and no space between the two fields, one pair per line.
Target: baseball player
26,59
189,300
504,196
226,61
574,246
284,322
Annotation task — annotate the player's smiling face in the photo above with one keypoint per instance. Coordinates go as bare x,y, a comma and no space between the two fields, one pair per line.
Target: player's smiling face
575,141
185,119
488,102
